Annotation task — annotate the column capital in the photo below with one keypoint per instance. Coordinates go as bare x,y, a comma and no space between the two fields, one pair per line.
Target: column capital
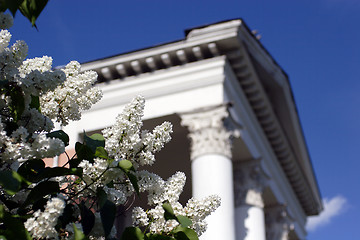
249,182
278,222
207,131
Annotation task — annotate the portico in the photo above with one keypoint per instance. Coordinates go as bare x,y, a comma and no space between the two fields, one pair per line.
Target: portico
236,129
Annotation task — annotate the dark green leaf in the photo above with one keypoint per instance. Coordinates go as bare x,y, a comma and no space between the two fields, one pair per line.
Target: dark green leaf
182,233
31,168
40,204
87,218
3,5
59,171
134,182
13,5
84,152
17,105
110,184
78,234
31,9
169,212
60,134
101,197
8,203
74,162
101,153
132,233
14,227
150,236
126,166
2,212
41,190
67,216
35,101
184,221
10,181
94,141
107,213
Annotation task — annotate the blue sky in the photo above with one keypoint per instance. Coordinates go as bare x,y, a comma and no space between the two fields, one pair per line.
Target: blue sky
316,42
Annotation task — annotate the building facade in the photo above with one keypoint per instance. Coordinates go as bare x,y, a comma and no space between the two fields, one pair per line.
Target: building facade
236,128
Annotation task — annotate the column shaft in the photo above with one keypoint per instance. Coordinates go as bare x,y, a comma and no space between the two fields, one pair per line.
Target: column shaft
212,171
212,174
249,180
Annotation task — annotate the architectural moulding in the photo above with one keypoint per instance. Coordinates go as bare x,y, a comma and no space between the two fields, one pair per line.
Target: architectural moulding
278,222
249,80
249,183
208,133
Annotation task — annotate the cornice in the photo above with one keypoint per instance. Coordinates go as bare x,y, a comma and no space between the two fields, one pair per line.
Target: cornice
261,105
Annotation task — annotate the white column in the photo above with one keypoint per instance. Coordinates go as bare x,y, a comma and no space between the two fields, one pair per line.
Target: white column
211,168
249,180
278,223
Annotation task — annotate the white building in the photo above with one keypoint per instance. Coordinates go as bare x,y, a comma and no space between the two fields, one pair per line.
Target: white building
221,89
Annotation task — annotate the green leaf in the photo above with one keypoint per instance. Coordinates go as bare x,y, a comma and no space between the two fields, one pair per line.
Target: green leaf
59,171
31,168
2,212
12,5
182,233
60,134
14,227
3,5
107,213
17,105
150,236
132,233
78,234
74,162
41,190
101,153
67,216
126,166
169,212
35,101
87,218
134,181
10,181
84,152
40,204
10,127
111,184
101,197
94,141
8,203
184,221
31,9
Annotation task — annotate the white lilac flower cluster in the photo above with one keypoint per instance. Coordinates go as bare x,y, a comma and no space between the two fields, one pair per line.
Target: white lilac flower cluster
160,191
62,93
42,224
18,147
74,95
33,95
125,140
6,20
